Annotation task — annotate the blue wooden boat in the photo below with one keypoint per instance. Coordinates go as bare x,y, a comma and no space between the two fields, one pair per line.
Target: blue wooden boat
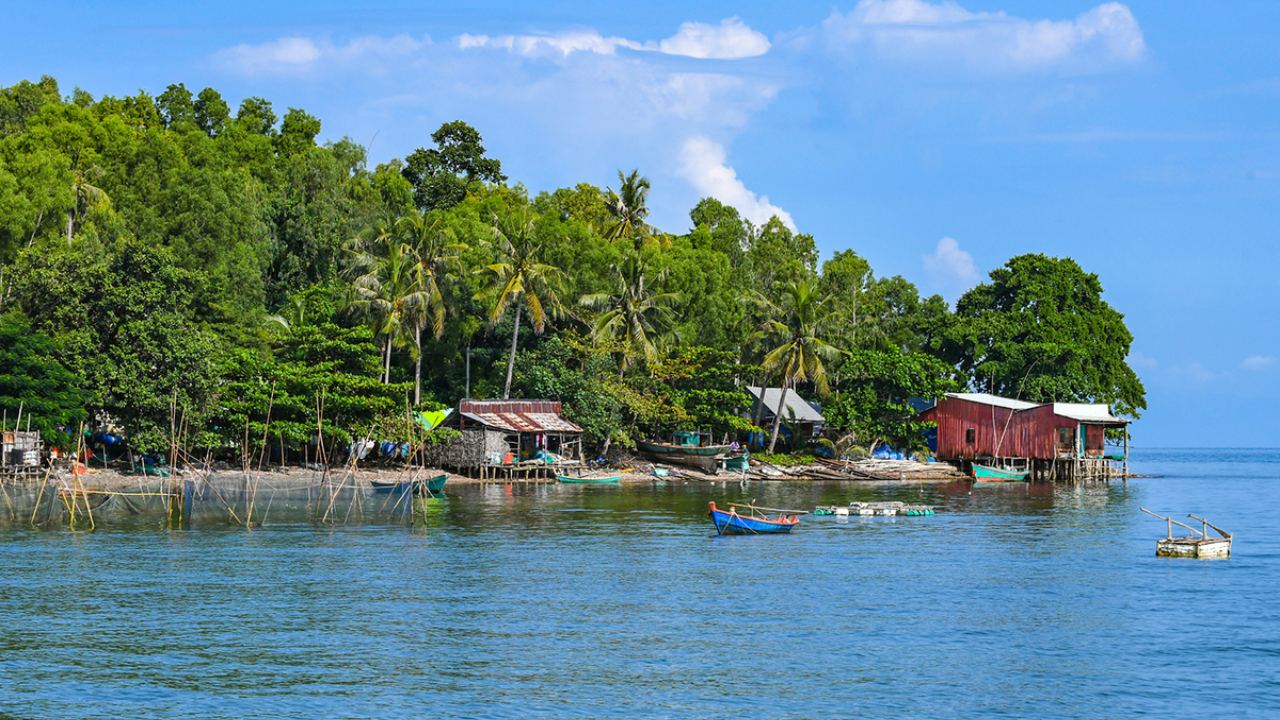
986,473
431,487
753,522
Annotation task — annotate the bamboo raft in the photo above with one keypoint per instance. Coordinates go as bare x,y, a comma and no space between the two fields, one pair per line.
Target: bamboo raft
1196,544
888,508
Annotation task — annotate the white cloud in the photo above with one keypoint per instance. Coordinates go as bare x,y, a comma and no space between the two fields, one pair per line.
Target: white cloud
300,55
730,40
945,32
949,266
1258,362
702,163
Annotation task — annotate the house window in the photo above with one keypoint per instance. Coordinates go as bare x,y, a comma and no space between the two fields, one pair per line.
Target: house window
970,436
1064,437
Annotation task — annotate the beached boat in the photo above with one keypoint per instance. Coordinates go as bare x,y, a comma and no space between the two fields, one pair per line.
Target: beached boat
686,451
753,522
430,487
986,473
588,479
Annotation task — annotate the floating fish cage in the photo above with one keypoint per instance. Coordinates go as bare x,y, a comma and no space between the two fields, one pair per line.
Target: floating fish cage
890,508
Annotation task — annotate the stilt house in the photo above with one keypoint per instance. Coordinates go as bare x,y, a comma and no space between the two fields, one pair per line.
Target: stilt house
510,439
1058,439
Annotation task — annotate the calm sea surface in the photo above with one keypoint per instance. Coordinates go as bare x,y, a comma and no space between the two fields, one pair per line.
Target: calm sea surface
598,602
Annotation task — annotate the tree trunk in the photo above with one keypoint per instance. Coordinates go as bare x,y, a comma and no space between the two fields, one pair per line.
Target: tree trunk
417,366
511,360
777,415
386,362
70,223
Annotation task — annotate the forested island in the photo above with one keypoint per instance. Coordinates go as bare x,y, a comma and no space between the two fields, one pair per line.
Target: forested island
170,266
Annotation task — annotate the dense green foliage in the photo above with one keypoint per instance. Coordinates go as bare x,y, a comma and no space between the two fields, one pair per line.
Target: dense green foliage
169,263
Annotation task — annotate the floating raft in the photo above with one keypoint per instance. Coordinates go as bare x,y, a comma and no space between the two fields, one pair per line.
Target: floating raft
885,509
1196,544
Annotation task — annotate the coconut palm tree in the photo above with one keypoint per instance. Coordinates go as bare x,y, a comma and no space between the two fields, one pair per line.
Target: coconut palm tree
796,323
519,278
434,255
389,292
85,197
629,208
633,316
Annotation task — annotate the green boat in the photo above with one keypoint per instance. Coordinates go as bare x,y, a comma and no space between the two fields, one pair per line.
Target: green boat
589,479
687,451
986,473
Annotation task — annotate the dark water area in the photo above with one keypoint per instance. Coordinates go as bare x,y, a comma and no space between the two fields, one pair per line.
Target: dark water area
559,601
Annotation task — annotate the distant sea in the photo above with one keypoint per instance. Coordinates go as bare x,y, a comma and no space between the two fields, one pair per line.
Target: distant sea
559,601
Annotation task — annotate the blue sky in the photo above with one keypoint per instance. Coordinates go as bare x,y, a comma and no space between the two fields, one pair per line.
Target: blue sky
935,138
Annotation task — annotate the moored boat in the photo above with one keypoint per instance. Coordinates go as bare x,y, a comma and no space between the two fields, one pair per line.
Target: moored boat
986,473
430,487
588,479
754,522
687,450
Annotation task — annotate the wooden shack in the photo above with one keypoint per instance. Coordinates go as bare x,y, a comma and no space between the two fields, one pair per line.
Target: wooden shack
1058,440
801,419
510,439
20,452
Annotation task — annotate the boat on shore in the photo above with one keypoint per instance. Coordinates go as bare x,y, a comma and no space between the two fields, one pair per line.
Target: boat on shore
989,474
588,479
430,487
688,450
753,520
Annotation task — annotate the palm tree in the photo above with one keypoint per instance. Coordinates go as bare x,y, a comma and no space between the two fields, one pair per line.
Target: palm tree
797,322
633,316
519,278
389,292
85,197
428,244
629,208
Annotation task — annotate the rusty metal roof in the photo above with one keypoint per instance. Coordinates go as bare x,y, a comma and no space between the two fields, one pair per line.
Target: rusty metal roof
517,415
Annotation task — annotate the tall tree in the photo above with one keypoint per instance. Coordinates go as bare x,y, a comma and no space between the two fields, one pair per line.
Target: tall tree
441,176
519,278
389,294
796,323
1040,330
629,209
434,256
634,314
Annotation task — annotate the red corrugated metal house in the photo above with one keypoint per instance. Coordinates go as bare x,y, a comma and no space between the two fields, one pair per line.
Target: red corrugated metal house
981,427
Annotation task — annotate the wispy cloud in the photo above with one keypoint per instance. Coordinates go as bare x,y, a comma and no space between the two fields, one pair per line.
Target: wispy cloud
945,32
949,266
1258,362
302,55
703,164
732,39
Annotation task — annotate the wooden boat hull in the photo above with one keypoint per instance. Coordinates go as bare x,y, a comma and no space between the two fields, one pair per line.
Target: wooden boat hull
985,473
431,487
729,522
601,480
705,458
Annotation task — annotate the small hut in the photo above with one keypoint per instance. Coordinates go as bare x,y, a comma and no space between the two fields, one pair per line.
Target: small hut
1054,439
510,439
20,452
801,419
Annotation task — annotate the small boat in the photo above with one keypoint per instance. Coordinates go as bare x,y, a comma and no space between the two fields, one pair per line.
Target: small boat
588,479
706,458
986,473
431,487
754,522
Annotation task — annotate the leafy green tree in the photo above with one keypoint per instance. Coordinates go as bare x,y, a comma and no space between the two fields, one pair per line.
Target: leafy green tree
390,294
564,369
441,176
871,403
1040,330
34,382
797,323
721,228
256,116
211,112
435,256
520,278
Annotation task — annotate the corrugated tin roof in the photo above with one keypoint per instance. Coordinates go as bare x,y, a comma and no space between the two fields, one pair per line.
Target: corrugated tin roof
517,415
989,399
1087,412
797,407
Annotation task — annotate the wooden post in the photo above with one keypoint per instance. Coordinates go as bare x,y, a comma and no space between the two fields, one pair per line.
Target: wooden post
1126,454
